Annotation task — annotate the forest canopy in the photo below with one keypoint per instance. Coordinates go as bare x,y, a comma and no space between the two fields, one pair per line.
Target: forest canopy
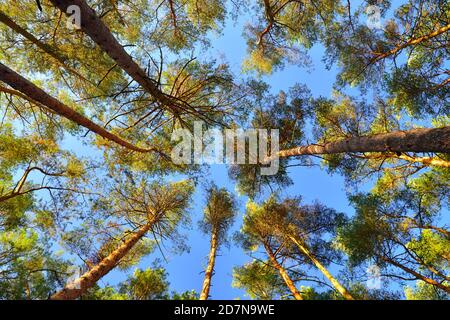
206,149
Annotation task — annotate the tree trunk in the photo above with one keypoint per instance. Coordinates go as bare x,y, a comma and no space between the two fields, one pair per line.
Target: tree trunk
290,284
324,270
60,59
26,87
428,161
411,42
210,268
416,274
94,27
415,140
24,97
78,287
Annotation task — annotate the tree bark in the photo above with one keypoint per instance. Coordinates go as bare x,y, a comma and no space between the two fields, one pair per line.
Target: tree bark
284,275
324,270
210,268
24,97
428,161
415,140
94,27
411,42
416,274
78,287
35,93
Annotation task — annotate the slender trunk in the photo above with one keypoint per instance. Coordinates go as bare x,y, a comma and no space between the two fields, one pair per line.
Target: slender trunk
417,225
290,284
440,230
416,274
28,291
94,27
270,17
411,42
428,161
35,93
210,268
78,287
173,15
415,140
22,96
324,270
60,59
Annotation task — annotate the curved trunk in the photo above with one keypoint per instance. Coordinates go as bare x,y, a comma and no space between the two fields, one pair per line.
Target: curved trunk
415,140
60,59
210,268
35,93
322,269
416,274
290,284
94,27
76,288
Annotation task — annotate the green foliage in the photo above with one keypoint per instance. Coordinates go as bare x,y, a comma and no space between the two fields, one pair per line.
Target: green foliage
288,111
219,212
259,280
423,291
432,248
148,284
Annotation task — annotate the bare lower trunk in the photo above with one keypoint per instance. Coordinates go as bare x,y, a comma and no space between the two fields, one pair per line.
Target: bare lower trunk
416,274
283,273
210,268
78,287
416,140
35,93
94,27
322,269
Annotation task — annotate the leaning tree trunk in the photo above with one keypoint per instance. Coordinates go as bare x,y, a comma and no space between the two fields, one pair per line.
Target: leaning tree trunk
26,87
210,267
427,161
283,273
322,269
60,59
415,140
411,42
78,287
416,274
94,27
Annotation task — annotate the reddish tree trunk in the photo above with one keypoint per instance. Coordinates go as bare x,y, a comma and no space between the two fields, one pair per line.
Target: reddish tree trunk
415,140
283,273
26,87
94,27
78,287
